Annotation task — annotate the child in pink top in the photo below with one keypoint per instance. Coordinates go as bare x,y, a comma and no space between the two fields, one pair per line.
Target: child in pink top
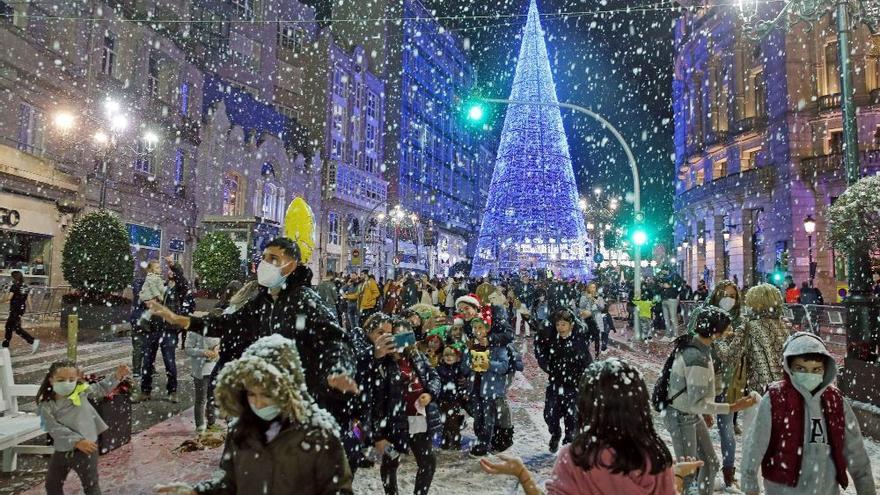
617,451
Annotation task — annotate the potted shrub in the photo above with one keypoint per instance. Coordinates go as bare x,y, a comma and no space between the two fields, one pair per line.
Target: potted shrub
97,263
217,261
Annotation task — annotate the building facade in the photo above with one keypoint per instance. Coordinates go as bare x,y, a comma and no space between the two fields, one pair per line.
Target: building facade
758,138
430,157
343,106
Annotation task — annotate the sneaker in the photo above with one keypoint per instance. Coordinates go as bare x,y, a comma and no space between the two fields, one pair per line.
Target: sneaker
172,397
479,450
737,430
35,346
732,489
554,442
200,429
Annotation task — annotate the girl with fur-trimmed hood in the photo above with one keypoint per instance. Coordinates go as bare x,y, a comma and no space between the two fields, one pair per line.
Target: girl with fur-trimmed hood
281,441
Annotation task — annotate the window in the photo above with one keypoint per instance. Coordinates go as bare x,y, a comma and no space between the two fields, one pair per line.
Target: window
370,163
243,8
332,229
336,148
371,105
30,128
286,36
749,160
338,117
211,28
184,98
760,95
179,166
832,69
230,194
340,83
245,51
7,12
143,161
835,143
874,66
719,169
108,56
370,137
719,99
153,77
270,201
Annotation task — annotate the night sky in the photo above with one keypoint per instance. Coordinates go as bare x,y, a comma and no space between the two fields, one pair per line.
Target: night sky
617,64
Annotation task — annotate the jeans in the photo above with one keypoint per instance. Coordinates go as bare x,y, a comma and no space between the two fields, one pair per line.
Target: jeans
670,316
353,316
13,325
486,417
727,435
561,405
137,350
690,438
85,466
202,410
153,341
423,450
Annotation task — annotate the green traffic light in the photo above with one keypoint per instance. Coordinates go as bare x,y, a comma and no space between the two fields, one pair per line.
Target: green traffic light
639,237
476,113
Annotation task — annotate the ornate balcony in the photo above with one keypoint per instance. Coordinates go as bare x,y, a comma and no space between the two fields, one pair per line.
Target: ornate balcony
829,103
716,137
751,124
825,165
748,183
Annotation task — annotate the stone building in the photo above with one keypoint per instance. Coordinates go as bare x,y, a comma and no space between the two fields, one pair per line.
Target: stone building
343,108
758,138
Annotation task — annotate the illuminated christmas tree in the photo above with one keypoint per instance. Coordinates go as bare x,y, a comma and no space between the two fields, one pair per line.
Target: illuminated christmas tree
532,219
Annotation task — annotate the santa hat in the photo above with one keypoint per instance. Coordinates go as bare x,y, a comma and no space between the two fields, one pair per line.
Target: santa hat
458,320
471,299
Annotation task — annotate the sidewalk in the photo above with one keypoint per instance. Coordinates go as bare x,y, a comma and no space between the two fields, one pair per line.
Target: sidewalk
150,460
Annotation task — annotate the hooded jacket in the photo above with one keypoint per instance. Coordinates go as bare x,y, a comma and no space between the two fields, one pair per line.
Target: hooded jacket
564,360
818,475
297,313
300,451
570,479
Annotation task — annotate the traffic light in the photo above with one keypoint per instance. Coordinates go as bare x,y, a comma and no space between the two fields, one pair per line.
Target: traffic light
639,237
475,113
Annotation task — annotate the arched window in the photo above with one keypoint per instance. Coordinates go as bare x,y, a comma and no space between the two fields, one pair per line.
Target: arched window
333,228
270,201
832,69
231,194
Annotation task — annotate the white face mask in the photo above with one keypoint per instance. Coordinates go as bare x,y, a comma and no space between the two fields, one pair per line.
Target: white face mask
727,303
267,413
269,275
808,381
64,388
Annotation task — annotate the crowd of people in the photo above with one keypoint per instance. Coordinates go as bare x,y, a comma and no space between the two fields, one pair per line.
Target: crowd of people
319,382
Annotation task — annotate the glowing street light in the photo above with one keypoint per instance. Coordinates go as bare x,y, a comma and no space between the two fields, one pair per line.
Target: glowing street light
64,121
101,138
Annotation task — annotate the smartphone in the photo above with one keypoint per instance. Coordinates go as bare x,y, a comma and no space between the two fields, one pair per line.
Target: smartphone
404,339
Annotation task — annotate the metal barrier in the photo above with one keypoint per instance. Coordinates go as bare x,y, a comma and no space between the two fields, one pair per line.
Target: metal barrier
826,321
45,303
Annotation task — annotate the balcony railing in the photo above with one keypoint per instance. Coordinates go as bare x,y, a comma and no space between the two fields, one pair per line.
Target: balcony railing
751,124
824,165
829,102
716,137
751,182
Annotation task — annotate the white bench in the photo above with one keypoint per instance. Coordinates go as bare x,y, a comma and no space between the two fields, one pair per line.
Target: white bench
16,427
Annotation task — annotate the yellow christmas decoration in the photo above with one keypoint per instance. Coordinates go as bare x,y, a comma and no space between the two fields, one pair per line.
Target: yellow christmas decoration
299,225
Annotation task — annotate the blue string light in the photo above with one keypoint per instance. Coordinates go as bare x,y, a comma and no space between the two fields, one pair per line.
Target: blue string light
532,219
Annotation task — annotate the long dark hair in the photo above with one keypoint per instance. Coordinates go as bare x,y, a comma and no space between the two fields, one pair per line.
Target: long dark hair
614,413
45,393
249,426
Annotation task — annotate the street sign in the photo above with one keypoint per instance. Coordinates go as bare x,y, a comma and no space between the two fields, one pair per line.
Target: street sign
356,257
598,258
395,261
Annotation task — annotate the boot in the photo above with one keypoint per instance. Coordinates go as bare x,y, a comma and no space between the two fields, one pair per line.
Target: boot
502,440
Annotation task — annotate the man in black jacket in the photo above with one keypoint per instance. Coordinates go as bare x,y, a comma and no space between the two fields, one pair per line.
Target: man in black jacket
286,305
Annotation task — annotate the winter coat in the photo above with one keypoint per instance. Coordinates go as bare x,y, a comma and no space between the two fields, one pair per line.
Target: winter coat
196,345
301,459
153,288
368,294
692,381
410,294
327,291
68,423
757,346
493,382
570,479
297,313
180,298
453,381
817,475
389,420
564,360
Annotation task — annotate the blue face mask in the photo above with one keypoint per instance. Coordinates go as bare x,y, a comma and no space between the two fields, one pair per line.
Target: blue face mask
267,413
808,381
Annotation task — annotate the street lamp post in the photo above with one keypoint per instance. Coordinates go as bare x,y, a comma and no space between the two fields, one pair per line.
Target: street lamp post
366,230
637,203
809,228
859,320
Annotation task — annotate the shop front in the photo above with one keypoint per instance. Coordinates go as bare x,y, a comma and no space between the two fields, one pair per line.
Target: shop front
31,237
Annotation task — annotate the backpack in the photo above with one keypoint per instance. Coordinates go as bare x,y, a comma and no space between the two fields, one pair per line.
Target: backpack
660,399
